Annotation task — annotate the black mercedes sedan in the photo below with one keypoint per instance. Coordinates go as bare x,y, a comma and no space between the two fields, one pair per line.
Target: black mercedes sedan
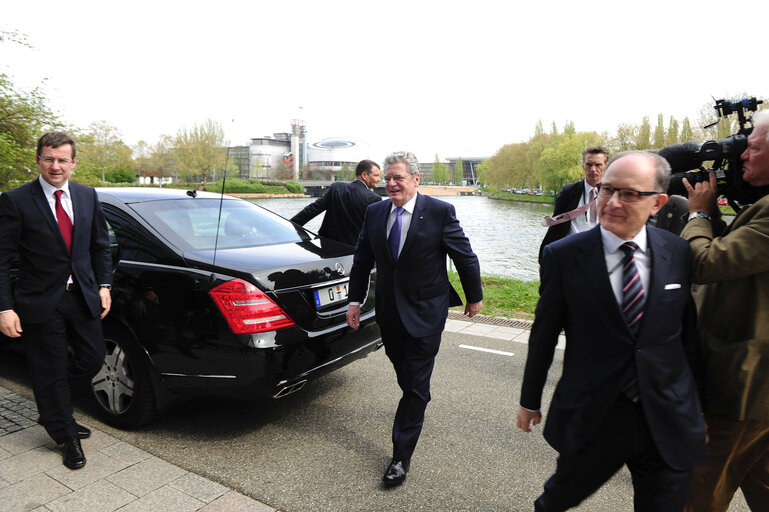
216,296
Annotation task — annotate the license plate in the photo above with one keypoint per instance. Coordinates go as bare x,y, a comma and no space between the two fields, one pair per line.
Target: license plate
326,296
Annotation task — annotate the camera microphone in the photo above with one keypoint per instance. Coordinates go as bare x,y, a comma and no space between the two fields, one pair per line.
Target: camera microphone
682,157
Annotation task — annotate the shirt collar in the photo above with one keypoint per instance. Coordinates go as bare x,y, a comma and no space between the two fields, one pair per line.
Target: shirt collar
588,188
409,206
612,242
49,189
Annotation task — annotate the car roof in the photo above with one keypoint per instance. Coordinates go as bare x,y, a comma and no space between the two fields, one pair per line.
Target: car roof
140,194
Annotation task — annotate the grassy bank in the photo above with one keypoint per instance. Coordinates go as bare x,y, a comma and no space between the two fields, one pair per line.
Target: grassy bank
510,298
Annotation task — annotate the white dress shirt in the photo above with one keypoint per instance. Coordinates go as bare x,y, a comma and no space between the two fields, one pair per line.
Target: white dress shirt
582,222
408,212
614,256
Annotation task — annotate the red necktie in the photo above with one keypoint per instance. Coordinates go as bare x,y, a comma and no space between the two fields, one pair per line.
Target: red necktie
65,224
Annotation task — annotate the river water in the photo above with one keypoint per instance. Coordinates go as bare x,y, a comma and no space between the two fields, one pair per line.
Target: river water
504,234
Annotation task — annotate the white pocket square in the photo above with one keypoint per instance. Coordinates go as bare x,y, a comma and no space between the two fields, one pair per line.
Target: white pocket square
672,286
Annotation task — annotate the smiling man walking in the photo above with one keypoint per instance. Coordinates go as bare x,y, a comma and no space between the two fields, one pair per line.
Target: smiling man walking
408,238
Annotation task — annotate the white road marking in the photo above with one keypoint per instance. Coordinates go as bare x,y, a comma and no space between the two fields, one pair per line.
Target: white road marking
481,349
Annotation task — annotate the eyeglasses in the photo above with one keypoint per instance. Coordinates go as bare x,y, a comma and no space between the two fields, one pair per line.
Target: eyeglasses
398,178
626,195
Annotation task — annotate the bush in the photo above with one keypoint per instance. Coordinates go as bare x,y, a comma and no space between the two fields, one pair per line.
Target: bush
294,187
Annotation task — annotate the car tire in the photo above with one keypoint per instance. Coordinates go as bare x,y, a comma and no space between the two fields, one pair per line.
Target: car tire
123,389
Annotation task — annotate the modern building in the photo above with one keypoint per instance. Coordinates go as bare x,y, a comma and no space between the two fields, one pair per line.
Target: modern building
468,175
335,153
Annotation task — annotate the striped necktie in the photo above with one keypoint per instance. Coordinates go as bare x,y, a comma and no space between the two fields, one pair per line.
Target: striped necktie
633,293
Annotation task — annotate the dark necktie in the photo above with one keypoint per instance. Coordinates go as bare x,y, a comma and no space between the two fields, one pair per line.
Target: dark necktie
633,300
65,224
395,234
633,293
593,211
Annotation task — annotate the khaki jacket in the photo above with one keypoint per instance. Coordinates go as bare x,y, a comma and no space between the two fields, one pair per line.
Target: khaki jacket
734,312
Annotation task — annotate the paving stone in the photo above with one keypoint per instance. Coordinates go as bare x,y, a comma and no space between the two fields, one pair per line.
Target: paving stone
199,487
30,493
165,498
100,496
98,466
27,439
146,476
22,466
236,501
125,452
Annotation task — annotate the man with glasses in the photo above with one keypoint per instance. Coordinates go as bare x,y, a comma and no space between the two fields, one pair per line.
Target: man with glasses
627,394
577,200
56,230
408,239
344,204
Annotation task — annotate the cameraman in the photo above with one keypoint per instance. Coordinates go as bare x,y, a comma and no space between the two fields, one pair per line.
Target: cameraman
734,330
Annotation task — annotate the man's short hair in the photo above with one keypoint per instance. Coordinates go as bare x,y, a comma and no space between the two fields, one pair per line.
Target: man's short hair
761,118
55,140
661,168
595,150
403,157
365,166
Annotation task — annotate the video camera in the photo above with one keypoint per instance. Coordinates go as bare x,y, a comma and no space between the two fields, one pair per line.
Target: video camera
686,159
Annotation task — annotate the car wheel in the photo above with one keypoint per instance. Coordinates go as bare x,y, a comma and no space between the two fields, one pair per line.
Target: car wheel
123,389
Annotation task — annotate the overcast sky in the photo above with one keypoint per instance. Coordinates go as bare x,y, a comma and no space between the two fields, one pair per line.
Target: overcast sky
456,78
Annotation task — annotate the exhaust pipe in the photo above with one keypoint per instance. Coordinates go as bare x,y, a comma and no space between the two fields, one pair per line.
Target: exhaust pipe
292,388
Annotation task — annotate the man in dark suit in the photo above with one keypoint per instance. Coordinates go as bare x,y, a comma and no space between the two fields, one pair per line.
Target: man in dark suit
627,394
344,204
56,230
578,195
408,238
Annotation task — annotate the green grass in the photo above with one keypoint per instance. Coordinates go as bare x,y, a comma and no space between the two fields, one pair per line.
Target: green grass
510,298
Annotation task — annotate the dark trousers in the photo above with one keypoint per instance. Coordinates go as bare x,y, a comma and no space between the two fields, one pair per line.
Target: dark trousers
52,363
624,439
413,360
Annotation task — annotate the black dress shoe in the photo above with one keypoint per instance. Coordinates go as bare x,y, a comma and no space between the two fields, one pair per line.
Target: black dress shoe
396,472
83,432
74,458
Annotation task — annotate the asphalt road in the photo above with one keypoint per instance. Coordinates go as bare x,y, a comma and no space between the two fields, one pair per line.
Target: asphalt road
326,447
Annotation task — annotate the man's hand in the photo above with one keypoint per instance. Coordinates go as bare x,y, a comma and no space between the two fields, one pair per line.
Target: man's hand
353,317
527,418
10,325
473,309
106,301
702,197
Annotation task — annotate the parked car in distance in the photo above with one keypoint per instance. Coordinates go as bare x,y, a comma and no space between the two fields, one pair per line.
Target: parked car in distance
215,296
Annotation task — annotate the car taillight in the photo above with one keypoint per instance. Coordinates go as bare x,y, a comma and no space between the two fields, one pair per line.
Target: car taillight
247,309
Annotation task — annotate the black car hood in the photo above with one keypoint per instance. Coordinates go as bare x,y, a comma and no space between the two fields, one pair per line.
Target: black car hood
281,266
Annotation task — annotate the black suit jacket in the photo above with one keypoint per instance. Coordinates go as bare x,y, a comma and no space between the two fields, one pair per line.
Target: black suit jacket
565,201
415,289
344,204
602,354
30,234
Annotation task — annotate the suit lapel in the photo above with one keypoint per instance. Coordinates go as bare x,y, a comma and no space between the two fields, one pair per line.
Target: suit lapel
420,210
659,273
38,197
591,263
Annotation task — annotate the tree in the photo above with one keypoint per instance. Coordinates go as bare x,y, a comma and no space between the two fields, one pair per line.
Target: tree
459,171
103,156
625,139
672,136
440,171
686,131
643,139
659,132
200,151
24,116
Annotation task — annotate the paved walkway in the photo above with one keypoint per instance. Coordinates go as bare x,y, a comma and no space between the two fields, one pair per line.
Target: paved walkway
121,477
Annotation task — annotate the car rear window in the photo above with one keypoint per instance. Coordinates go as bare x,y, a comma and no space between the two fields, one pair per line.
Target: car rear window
191,224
